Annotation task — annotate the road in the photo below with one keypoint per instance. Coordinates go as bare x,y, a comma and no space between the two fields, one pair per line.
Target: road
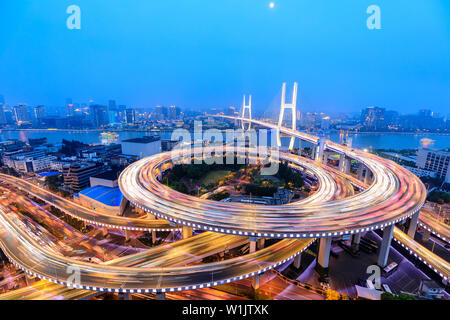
333,210
85,214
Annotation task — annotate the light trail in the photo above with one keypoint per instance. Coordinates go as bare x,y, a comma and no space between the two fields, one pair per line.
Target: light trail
394,195
84,214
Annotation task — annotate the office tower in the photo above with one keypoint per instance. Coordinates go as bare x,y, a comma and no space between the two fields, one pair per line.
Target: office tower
21,113
113,114
373,118
77,175
159,114
172,113
39,113
98,115
2,114
130,116
70,110
121,112
112,105
435,160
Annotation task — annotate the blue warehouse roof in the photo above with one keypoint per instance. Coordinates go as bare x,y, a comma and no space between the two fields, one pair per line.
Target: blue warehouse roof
106,195
47,174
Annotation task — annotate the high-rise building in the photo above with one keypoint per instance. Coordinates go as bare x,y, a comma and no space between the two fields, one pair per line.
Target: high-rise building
77,175
113,114
9,116
231,111
391,118
130,116
2,99
172,113
425,113
2,114
435,160
159,113
99,115
121,112
112,105
39,113
21,113
373,118
70,109
325,123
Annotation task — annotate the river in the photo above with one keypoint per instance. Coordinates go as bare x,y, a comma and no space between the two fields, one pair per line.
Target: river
396,141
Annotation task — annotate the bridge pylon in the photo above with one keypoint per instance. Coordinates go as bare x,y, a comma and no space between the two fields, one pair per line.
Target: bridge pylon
293,107
249,108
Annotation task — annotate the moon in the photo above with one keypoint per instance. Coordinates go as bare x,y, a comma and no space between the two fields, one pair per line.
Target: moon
271,5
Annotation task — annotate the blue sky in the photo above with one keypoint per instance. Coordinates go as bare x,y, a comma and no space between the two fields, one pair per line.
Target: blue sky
201,54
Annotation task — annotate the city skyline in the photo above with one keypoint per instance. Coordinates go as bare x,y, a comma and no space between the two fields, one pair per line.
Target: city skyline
60,110
244,151
204,60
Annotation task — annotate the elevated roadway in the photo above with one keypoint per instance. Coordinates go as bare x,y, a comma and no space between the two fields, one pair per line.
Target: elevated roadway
394,195
89,216
30,256
428,221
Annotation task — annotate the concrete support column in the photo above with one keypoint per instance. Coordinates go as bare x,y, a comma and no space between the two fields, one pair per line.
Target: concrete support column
161,296
186,232
300,147
255,282
253,242
341,162
321,147
412,227
124,204
127,235
326,154
313,152
324,252
349,142
385,246
355,241
153,236
298,261
127,296
426,235
104,231
367,176
348,166
360,171
261,243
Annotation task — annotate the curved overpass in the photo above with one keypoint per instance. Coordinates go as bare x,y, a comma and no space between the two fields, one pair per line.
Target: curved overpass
394,195
30,256
90,216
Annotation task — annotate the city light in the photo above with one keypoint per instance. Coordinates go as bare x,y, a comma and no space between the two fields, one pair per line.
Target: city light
218,151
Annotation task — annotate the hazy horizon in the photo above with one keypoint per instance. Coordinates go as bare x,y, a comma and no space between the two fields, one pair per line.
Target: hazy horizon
197,54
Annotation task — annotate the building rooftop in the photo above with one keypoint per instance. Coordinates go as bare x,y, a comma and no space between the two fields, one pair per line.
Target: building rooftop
77,165
48,174
442,151
106,195
108,175
144,140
